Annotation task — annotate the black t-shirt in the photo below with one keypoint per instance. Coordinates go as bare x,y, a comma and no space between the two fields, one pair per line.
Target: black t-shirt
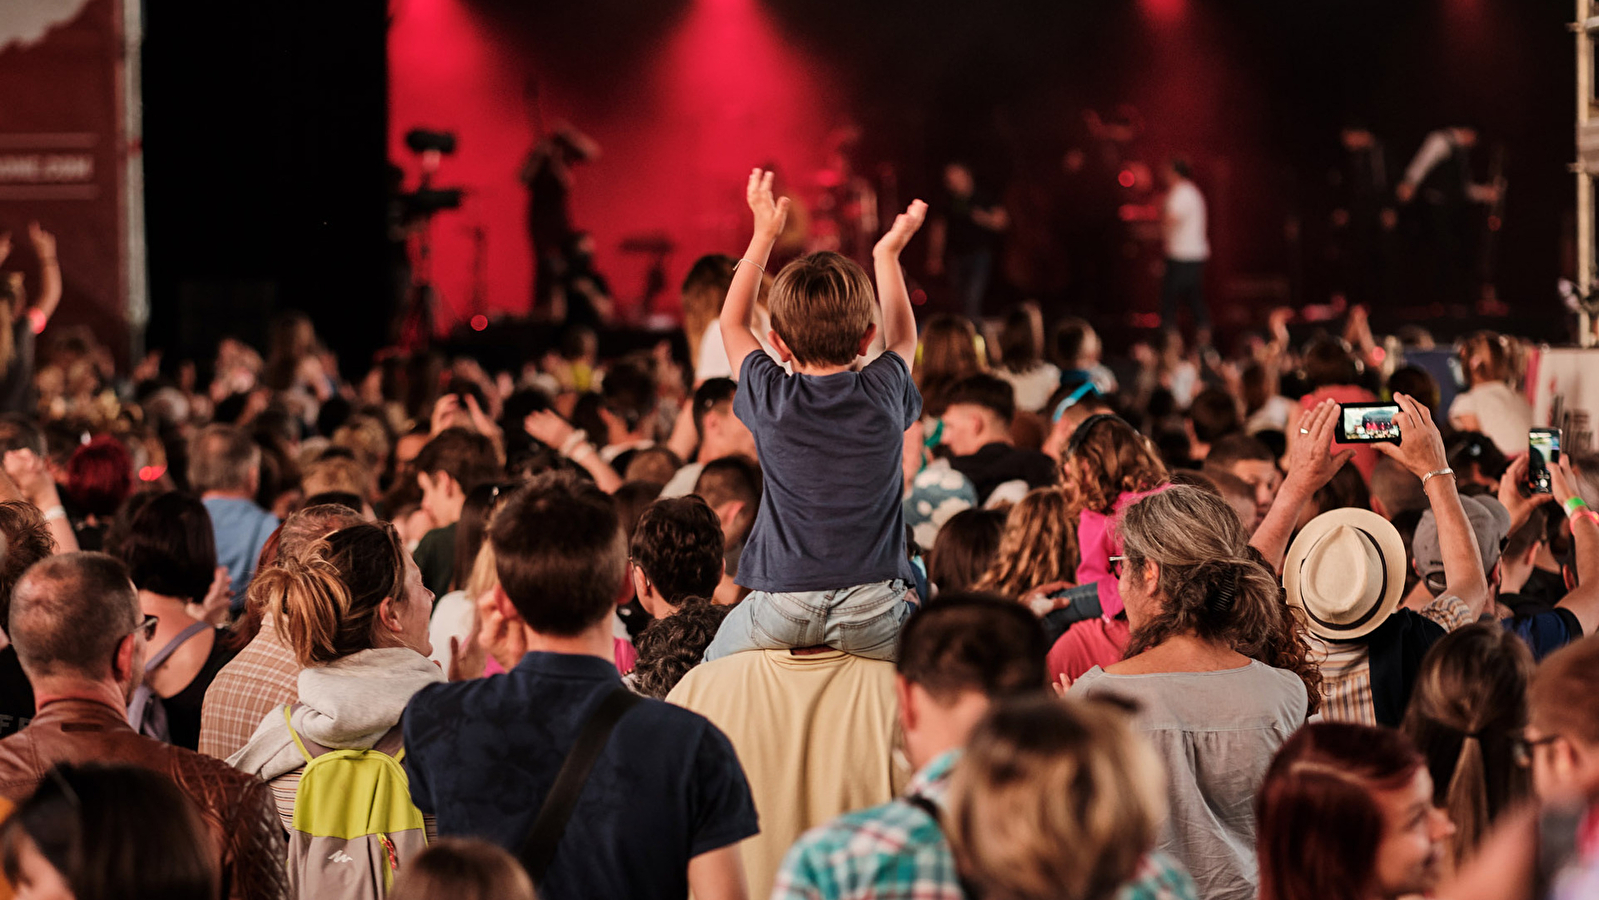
183,708
16,694
962,234
16,389
482,755
996,464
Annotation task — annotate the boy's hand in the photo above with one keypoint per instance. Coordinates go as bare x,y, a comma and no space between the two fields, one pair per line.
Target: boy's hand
905,225
769,214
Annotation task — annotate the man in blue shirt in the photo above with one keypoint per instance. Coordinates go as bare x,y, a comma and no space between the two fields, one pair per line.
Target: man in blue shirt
666,803
225,469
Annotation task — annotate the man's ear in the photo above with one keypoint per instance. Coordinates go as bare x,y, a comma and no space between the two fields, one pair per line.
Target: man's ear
424,481
122,661
866,340
729,512
783,353
504,606
909,711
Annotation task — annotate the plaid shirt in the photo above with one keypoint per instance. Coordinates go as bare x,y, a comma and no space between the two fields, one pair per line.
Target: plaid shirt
898,852
261,679
1346,667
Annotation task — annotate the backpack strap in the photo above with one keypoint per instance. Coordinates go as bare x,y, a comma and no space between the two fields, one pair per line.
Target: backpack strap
172,646
288,719
538,848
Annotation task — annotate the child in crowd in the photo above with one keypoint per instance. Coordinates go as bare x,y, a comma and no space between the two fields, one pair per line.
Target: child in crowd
826,556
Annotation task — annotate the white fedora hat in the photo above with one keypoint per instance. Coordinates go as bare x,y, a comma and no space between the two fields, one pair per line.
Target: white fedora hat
1346,570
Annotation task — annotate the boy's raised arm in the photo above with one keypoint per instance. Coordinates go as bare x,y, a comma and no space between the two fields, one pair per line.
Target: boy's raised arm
770,215
899,321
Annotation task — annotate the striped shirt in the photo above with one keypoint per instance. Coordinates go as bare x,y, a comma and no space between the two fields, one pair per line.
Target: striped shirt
1346,667
897,851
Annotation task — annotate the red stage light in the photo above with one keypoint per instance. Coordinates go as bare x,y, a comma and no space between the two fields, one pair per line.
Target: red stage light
480,322
919,297
1126,178
1378,354
151,473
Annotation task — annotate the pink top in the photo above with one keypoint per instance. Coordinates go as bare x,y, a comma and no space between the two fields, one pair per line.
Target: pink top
626,656
1089,643
1365,457
1098,541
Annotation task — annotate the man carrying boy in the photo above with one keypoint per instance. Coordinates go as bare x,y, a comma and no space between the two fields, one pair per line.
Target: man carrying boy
826,557
484,755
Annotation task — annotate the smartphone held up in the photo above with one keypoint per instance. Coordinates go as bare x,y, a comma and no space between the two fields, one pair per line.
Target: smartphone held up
1368,423
1543,448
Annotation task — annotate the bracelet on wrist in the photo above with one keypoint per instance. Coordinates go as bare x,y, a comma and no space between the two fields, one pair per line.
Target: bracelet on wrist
577,439
1429,476
1573,505
743,260
55,512
1581,514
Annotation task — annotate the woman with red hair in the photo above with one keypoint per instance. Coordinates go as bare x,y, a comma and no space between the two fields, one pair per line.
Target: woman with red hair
99,479
1346,813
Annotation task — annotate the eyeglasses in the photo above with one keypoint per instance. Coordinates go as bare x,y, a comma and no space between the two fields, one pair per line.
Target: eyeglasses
147,626
1521,748
1116,565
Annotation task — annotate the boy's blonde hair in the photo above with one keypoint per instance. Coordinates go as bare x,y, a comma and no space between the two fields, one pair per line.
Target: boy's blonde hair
822,305
1055,799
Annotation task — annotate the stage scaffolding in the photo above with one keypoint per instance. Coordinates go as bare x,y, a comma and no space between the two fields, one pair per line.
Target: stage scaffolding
1587,165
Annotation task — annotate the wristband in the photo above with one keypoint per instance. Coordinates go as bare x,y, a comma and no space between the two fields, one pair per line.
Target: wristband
752,262
572,443
1588,514
55,512
1573,504
1444,471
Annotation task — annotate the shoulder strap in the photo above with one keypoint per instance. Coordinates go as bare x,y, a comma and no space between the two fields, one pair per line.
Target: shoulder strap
172,646
538,848
288,719
969,890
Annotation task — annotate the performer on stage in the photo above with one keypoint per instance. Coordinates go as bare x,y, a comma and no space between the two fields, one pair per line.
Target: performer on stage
966,225
1183,224
1440,177
1363,218
548,177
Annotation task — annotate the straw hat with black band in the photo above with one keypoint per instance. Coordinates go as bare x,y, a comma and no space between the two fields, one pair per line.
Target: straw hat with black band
1346,570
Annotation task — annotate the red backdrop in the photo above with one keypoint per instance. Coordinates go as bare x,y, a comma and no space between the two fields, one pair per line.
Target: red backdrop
680,122
62,155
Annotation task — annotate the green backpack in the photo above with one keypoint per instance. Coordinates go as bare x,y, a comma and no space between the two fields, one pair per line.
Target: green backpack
354,822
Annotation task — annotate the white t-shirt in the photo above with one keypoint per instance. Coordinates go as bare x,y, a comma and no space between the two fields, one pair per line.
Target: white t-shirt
1502,414
1185,224
1033,387
713,353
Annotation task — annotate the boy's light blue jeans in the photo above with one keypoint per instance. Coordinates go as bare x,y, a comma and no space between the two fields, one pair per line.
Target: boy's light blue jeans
864,620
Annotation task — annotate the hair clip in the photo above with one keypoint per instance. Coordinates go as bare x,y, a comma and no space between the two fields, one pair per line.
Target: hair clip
1222,601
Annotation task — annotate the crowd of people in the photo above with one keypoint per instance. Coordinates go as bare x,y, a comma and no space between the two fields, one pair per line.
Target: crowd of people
843,606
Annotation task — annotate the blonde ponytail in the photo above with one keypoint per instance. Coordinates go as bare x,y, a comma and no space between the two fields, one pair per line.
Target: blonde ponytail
327,600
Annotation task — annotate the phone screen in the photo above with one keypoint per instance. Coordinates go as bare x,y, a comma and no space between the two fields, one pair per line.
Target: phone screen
1543,448
1368,423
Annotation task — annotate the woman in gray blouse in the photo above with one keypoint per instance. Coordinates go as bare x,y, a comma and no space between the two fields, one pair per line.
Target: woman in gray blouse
1218,667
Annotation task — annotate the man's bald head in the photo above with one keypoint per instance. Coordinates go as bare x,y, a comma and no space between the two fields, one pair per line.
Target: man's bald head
68,614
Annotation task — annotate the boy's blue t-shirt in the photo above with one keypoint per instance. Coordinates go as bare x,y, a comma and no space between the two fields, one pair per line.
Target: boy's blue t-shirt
832,450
